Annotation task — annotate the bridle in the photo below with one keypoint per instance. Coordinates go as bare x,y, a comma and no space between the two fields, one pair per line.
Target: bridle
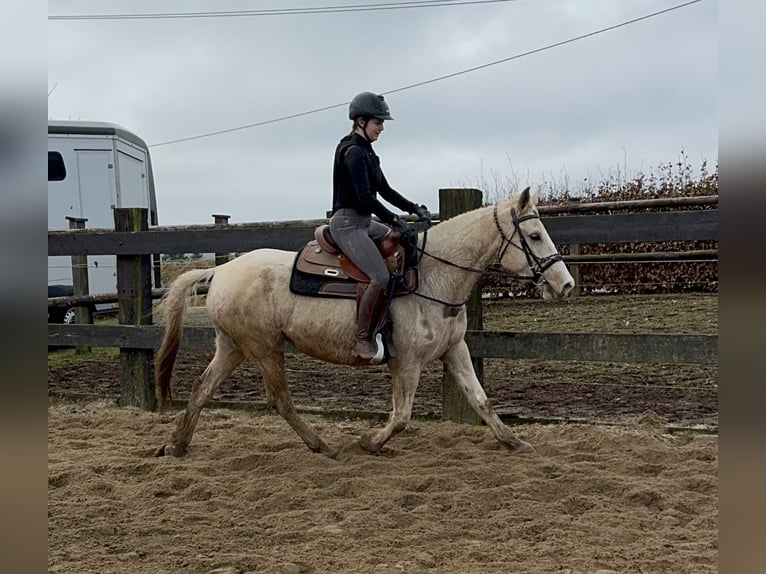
538,265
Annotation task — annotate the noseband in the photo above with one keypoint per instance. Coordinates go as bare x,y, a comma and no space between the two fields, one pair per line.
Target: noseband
536,264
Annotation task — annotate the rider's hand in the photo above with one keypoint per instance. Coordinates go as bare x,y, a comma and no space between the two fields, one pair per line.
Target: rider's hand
422,212
399,223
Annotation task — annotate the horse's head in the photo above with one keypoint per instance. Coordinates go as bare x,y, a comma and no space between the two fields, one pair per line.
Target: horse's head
526,248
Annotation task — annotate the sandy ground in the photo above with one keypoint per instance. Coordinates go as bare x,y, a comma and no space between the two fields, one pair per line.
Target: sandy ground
442,498
446,498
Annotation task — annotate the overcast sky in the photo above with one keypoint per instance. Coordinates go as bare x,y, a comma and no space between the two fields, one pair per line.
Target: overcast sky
631,98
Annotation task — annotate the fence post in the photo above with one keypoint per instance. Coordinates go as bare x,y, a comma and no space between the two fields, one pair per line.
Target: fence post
221,221
134,298
83,313
455,407
574,270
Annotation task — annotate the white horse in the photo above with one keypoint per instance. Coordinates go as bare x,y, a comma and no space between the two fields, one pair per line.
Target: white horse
255,314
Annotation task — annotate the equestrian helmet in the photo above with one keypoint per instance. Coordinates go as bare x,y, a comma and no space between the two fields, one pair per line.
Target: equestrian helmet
369,105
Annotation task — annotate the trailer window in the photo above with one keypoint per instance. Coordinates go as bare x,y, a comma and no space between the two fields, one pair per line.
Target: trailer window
56,168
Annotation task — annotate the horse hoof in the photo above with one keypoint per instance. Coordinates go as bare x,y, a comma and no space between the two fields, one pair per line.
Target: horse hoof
328,451
168,450
366,444
331,453
522,448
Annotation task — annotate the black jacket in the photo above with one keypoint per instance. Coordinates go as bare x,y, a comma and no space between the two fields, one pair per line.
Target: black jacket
357,179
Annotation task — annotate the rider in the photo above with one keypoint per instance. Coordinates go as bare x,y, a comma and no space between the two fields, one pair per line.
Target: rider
357,180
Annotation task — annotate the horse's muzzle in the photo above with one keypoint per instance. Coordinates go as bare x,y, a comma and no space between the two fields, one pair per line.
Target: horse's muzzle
558,282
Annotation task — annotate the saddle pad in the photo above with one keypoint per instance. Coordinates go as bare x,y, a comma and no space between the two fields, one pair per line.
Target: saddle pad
302,283
316,286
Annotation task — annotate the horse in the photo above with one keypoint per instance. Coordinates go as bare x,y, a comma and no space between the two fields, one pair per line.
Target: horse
254,314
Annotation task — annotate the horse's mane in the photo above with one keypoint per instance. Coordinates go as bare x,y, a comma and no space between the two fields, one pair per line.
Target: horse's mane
464,221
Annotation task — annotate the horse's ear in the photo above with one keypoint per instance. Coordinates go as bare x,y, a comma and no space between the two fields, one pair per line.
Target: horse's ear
524,199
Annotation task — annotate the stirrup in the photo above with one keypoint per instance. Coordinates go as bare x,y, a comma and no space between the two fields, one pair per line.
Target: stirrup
378,355
381,352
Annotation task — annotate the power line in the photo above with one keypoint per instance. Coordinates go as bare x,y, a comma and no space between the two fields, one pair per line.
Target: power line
280,11
255,125
439,78
544,48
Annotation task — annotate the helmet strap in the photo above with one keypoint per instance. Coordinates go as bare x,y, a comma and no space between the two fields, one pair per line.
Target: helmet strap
363,123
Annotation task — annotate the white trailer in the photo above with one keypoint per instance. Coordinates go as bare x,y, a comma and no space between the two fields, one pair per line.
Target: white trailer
93,167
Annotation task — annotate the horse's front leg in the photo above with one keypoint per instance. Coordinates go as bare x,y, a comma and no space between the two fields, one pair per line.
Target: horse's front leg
404,384
458,362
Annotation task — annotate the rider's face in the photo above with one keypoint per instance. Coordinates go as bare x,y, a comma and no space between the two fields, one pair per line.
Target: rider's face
374,128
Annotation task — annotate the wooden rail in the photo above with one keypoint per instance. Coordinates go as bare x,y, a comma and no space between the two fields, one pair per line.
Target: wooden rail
583,229
621,348
632,204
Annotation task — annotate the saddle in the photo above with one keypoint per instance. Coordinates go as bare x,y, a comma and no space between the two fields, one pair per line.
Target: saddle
322,270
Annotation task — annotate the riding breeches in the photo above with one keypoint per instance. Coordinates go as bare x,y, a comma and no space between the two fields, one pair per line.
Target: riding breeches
354,234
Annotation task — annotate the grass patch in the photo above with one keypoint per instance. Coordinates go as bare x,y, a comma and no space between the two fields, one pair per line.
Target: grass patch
63,358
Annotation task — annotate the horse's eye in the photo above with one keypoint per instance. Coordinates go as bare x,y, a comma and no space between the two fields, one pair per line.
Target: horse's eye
534,236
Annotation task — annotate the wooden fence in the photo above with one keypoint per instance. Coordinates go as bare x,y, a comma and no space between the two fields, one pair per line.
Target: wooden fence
133,244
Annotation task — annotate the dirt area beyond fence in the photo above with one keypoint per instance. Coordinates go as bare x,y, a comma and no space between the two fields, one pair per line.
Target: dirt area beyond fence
683,395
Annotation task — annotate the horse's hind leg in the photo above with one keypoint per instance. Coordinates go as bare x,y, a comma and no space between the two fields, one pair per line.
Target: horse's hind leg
404,384
272,367
227,357
458,361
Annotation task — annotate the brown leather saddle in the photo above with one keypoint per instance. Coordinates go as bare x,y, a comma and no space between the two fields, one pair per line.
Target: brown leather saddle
322,270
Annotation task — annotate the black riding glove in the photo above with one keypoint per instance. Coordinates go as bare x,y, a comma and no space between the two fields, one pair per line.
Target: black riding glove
422,212
399,223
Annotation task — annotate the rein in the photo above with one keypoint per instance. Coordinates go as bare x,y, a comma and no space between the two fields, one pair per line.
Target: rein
423,252
536,264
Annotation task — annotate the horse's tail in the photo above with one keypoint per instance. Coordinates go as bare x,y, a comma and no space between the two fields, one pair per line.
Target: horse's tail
173,306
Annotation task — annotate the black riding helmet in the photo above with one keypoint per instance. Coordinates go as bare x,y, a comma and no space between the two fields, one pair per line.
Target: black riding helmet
369,105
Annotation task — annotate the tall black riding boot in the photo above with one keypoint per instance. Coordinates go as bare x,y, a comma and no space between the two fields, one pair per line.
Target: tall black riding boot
370,305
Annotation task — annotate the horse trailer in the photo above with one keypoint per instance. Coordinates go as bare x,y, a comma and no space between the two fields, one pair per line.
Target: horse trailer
93,168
